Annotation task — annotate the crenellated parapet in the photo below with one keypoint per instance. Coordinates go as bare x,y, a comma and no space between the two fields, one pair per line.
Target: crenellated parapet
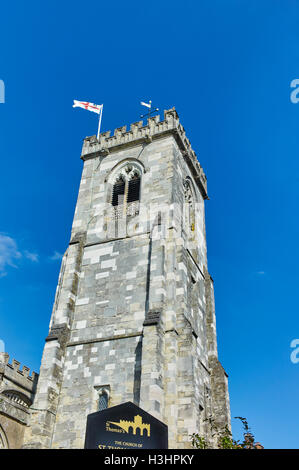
17,391
139,133
19,376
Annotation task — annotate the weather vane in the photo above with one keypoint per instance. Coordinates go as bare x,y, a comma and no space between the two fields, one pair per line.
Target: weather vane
149,106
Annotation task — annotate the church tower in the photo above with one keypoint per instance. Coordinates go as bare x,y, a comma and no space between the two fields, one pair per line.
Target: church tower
134,316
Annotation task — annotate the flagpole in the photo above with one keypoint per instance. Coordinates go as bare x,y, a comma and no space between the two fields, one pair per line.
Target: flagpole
100,120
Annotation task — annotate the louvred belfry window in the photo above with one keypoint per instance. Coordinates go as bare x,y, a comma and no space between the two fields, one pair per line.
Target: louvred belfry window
118,193
134,189
126,191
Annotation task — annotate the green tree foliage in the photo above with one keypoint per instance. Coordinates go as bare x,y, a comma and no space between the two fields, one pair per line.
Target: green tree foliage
224,438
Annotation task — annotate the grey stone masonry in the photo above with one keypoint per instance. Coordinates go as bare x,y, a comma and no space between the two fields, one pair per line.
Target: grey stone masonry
17,391
134,308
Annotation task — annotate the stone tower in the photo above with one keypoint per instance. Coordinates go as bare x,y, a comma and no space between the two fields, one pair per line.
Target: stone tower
133,317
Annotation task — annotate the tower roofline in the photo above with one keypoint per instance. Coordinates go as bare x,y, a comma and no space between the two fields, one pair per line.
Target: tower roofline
138,134
13,373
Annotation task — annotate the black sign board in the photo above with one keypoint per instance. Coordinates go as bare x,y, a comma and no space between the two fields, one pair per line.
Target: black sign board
125,426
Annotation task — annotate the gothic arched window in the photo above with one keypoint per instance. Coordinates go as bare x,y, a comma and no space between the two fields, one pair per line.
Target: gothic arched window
126,189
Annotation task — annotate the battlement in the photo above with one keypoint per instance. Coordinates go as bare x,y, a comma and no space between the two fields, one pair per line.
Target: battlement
12,372
139,133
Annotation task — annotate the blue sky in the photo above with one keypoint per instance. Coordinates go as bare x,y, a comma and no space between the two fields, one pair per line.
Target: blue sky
227,68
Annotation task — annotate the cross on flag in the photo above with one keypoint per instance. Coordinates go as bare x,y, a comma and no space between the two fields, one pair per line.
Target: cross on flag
95,108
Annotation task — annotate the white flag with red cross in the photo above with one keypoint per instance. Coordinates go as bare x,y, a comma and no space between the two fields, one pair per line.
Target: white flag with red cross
95,108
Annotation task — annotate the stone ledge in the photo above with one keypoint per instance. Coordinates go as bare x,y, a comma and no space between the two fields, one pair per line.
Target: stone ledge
101,340
59,333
